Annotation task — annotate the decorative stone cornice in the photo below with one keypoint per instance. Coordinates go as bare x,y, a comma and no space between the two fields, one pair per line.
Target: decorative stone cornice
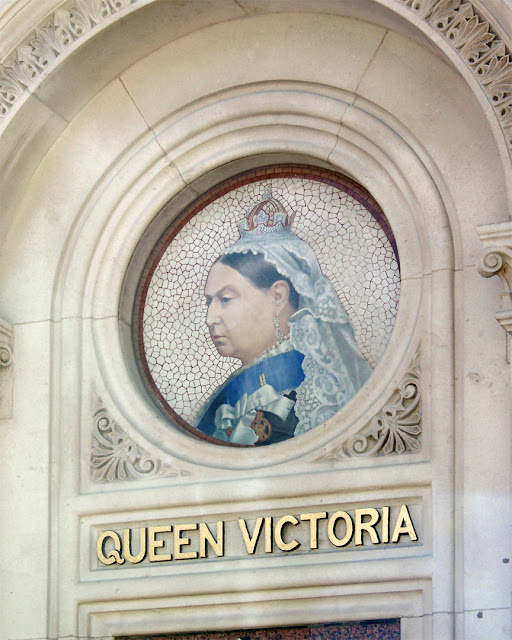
496,260
480,46
6,339
461,23
396,429
115,456
51,41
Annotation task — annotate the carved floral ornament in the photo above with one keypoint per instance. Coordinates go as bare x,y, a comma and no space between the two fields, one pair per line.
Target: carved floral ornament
6,370
460,23
396,429
115,456
41,50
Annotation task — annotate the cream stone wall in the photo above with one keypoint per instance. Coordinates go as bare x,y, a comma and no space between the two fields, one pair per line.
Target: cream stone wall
149,107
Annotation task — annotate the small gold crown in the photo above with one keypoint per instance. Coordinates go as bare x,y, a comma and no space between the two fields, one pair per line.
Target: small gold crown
267,216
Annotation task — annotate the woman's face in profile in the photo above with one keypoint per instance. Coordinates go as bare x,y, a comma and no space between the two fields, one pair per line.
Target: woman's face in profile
240,316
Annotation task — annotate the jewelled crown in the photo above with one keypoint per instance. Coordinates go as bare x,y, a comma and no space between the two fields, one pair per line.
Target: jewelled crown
267,216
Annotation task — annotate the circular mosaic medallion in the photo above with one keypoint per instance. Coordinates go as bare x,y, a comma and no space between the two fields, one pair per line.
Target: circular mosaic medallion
185,357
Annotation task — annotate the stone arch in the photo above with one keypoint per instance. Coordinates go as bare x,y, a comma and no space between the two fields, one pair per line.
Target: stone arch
88,182
466,32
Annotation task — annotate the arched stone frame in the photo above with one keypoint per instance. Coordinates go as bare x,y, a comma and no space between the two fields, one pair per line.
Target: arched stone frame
70,310
465,27
466,31
308,137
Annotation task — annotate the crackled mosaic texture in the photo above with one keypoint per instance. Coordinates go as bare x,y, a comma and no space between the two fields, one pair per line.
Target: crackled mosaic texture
350,245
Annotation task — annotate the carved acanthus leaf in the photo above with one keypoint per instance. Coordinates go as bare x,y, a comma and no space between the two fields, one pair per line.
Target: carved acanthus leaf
463,26
396,429
48,42
481,47
115,456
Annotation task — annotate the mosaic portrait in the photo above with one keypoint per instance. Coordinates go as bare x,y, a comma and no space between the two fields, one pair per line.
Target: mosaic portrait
265,309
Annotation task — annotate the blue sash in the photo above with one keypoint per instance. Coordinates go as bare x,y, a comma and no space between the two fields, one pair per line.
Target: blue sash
282,372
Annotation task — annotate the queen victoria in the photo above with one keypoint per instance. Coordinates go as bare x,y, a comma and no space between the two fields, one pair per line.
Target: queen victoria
270,307
266,305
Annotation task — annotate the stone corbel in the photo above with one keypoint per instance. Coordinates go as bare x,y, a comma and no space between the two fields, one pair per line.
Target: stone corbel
6,376
496,260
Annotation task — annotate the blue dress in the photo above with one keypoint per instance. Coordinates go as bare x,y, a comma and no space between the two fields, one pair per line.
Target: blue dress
255,406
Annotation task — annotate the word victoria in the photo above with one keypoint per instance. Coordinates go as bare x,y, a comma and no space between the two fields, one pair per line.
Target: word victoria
164,543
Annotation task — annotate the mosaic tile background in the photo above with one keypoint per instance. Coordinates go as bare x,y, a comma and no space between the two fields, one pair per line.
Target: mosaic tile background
352,248
371,630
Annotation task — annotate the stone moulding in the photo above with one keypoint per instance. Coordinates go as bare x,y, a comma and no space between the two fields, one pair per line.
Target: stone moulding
496,260
116,457
479,45
43,48
6,370
396,429
464,27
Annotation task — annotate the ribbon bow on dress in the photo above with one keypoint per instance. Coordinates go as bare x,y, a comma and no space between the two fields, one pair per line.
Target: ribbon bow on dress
233,423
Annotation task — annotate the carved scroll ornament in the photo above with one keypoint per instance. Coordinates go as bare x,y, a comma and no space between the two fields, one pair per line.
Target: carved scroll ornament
6,370
396,429
496,259
6,336
115,456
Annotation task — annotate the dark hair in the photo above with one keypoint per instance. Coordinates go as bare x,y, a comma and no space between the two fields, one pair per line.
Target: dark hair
258,271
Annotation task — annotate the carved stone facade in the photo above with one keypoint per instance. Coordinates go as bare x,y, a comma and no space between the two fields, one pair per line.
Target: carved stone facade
6,340
71,22
116,457
6,369
396,429
478,42
480,45
91,180
496,260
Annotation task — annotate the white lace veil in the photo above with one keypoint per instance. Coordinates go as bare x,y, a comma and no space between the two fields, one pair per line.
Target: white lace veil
333,366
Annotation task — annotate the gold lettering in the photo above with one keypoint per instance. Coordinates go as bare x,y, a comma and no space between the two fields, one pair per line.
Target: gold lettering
268,534
114,555
368,526
127,546
285,546
205,535
154,544
250,542
313,526
331,528
385,525
404,525
181,541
